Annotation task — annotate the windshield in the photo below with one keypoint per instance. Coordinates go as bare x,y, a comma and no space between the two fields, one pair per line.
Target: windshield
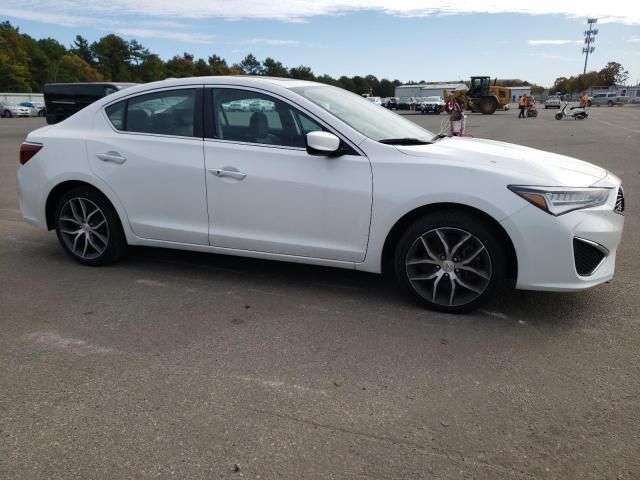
364,116
433,99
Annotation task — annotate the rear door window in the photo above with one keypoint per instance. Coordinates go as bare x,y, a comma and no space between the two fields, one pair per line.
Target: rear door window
171,112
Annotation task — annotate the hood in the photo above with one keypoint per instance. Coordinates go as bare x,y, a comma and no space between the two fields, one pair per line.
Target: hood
535,167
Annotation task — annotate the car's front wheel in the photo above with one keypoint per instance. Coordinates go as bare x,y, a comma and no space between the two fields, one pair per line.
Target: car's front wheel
88,227
6,114
450,261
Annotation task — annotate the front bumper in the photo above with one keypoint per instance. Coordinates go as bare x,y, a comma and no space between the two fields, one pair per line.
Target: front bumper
544,245
430,108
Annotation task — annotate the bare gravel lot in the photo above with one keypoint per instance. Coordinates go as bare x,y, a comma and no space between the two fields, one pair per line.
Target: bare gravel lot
186,365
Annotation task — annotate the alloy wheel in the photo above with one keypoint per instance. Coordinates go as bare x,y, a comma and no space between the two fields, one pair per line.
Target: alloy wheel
84,228
448,266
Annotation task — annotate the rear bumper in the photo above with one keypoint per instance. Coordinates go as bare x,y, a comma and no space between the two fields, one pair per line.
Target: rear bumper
544,246
31,194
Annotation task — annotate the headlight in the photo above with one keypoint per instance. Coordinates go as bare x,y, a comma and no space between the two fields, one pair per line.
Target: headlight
561,200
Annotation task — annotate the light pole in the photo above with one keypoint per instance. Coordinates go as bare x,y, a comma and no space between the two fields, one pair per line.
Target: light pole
589,40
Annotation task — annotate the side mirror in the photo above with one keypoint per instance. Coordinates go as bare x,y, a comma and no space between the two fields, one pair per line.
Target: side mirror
322,143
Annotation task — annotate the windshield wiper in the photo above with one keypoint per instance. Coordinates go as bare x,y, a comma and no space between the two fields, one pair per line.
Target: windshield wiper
404,141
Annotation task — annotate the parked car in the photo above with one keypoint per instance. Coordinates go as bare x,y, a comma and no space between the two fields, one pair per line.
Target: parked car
64,99
504,107
36,109
392,103
609,99
406,103
552,102
431,105
9,109
376,100
297,184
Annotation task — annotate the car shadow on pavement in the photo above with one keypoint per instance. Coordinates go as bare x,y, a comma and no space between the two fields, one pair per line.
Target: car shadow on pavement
566,310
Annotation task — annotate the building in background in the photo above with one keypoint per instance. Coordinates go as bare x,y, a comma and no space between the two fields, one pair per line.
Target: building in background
428,89
21,97
517,92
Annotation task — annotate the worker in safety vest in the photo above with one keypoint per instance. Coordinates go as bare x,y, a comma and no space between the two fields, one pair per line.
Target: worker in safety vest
522,103
584,103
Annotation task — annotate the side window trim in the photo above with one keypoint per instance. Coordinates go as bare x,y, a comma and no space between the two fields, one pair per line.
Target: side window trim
210,121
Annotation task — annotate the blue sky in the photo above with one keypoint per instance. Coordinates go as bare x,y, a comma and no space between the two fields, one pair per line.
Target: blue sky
413,40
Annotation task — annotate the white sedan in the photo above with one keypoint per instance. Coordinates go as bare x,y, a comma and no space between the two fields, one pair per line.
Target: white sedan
324,177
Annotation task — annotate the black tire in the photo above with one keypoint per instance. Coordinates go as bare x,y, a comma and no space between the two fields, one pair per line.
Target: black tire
451,221
559,116
6,114
589,103
609,103
488,106
116,246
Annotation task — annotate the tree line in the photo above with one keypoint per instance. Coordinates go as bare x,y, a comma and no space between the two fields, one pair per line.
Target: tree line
612,74
26,64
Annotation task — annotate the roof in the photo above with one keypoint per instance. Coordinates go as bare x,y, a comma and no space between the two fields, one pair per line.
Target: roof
236,80
436,86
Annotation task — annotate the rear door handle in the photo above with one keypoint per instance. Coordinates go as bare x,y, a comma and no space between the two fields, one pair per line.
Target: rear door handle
113,157
218,172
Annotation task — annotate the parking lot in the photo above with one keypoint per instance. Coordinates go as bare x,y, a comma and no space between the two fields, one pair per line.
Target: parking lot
188,365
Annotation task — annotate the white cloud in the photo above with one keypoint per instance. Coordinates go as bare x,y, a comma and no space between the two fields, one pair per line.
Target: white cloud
552,42
634,39
271,41
168,29
188,37
301,10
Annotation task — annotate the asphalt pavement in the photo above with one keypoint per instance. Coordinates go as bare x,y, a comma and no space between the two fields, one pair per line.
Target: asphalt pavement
186,365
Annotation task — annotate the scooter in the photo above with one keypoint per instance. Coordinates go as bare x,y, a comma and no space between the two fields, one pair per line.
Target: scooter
577,113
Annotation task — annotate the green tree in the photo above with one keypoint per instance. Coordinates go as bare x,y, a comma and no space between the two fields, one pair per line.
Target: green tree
14,60
41,68
181,66
250,65
72,68
112,56
347,83
53,49
151,69
613,73
301,73
272,68
386,88
202,68
218,65
328,79
137,52
82,49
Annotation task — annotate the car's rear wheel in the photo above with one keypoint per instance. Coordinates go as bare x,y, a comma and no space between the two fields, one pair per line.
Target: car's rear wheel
88,227
610,103
450,261
6,114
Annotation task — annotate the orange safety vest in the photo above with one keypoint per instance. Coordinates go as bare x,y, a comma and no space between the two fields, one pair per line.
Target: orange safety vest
522,102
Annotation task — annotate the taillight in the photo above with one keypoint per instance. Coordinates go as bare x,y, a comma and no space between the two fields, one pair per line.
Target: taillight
28,150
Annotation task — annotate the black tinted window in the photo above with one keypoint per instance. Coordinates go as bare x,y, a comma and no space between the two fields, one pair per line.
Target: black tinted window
246,116
115,113
164,113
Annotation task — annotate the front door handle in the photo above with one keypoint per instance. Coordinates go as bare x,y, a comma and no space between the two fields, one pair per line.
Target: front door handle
219,172
113,157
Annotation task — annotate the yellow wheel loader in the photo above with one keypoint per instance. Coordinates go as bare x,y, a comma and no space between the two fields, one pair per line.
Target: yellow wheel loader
481,96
